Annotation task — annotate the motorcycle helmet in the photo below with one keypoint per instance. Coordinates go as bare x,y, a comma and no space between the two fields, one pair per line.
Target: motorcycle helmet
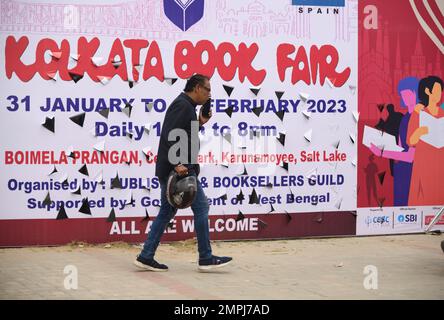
181,191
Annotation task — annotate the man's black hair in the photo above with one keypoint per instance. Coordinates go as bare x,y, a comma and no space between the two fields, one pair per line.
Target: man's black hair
428,82
194,81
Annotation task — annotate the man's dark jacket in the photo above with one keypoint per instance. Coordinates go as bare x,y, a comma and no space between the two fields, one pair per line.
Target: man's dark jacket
179,115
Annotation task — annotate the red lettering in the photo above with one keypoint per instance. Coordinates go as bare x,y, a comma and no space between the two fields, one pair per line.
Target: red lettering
13,52
246,65
155,70
227,72
318,64
183,57
188,60
135,46
8,157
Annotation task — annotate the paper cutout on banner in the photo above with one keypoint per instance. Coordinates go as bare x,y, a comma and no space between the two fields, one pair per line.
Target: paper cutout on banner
115,183
49,124
78,119
244,172
352,137
116,63
100,146
99,178
111,216
96,60
53,75
149,106
380,139
104,113
170,81
84,170
70,152
74,56
352,89
435,136
131,83
77,191
129,135
127,110
138,67
281,138
61,215
223,195
336,144
304,96
64,179
53,171
308,135
228,89
229,111
146,151
257,111
280,114
240,216
311,176
354,162
253,199
289,217
271,209
227,136
129,200
85,207
338,204
284,165
104,79
279,94
47,200
147,216
147,128
356,115
224,164
240,197
75,76
306,114
330,82
56,54
255,91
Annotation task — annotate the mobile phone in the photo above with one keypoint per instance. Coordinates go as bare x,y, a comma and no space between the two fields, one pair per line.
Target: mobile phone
206,107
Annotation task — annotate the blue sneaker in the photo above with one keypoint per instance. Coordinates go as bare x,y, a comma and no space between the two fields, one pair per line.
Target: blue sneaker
213,263
151,265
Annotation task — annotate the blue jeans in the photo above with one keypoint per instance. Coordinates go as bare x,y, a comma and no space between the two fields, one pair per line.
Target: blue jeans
200,209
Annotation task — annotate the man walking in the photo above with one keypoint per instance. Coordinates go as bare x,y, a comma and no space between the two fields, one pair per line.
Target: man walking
181,114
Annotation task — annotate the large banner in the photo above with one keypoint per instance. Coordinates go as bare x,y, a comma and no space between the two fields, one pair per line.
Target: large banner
85,88
401,128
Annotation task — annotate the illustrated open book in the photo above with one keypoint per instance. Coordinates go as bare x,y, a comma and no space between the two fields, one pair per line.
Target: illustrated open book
380,139
435,137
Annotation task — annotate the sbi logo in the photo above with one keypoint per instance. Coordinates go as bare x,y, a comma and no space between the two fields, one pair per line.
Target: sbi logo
407,218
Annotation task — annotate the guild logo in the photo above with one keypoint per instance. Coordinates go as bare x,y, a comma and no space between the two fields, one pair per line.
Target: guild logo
184,13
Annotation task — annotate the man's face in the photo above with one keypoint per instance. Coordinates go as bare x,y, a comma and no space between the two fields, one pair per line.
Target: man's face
203,92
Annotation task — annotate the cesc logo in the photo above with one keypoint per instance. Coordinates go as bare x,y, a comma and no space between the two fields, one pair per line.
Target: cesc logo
407,218
184,13
377,220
